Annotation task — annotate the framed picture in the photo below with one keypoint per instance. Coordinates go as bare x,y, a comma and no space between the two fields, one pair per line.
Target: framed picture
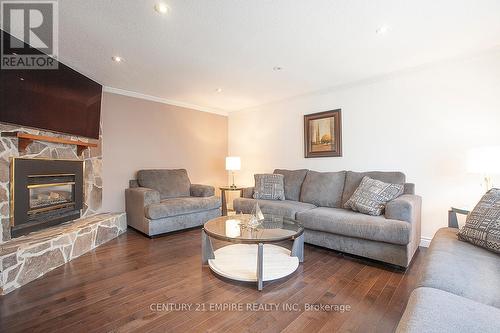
323,134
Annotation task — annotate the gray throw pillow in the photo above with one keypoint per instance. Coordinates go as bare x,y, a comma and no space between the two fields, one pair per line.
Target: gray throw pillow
353,179
482,226
372,195
269,187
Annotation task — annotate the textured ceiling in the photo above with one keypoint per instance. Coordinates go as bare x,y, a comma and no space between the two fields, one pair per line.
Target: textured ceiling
202,45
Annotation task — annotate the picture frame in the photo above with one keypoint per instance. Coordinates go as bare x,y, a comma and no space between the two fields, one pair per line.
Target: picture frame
323,134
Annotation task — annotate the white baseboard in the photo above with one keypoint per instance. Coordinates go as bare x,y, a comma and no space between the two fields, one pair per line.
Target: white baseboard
425,241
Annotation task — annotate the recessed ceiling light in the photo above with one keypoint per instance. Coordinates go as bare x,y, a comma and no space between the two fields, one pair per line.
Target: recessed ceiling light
382,30
161,7
21,78
117,59
218,90
277,68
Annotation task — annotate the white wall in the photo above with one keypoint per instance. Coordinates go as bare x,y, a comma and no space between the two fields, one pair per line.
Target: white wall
421,122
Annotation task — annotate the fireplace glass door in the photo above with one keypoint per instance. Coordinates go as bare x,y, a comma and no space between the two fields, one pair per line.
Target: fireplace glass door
49,196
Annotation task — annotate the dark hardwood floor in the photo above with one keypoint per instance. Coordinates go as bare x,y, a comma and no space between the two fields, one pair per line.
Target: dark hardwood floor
122,285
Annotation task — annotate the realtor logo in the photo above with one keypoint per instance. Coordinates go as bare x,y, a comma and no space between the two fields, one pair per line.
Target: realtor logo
29,34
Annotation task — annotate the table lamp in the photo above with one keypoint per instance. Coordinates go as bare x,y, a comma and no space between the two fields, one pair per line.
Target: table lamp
484,161
233,163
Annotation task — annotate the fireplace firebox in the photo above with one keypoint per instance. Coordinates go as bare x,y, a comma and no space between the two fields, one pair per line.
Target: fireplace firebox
44,193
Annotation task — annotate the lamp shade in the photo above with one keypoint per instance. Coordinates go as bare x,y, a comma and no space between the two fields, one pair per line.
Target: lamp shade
484,160
233,163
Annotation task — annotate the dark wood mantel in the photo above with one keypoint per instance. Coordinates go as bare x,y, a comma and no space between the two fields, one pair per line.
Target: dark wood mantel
25,139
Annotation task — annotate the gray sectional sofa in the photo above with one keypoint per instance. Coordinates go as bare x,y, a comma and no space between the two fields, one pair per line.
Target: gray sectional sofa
162,201
459,289
316,200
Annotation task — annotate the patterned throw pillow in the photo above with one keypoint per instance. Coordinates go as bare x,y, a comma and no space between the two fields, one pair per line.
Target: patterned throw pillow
482,226
371,196
269,187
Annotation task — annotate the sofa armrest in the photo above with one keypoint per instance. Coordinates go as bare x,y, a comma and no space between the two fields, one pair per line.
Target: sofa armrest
409,188
136,199
198,190
143,195
247,192
404,208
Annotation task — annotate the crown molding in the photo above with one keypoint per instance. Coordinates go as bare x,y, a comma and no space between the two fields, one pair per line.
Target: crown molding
163,100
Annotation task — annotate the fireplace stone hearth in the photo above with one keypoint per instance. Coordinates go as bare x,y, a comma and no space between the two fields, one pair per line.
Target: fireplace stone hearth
26,258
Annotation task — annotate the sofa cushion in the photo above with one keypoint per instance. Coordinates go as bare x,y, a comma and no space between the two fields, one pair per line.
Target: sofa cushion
199,190
247,192
180,206
372,195
353,179
348,223
482,226
293,180
285,208
435,311
462,268
170,183
323,189
269,187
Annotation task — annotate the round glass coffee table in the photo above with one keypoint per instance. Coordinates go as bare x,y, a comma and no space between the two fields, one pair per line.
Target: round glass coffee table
252,257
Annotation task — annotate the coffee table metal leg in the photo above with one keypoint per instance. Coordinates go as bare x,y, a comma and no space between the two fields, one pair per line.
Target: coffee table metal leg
224,203
260,266
207,251
298,248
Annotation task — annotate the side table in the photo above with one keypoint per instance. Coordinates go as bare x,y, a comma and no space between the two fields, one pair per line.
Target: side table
453,218
223,190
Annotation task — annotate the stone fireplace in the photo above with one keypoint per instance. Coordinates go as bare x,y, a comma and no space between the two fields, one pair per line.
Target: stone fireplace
91,161
56,219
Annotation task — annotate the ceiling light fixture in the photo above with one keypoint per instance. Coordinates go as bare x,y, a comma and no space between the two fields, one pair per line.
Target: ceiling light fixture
161,7
218,90
117,59
277,68
382,30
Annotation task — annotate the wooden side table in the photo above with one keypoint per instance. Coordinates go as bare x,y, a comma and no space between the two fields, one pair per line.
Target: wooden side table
223,191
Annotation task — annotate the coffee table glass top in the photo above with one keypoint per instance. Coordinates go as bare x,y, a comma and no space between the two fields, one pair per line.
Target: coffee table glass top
235,229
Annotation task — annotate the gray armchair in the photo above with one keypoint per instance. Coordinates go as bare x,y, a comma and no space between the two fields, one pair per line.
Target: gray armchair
162,201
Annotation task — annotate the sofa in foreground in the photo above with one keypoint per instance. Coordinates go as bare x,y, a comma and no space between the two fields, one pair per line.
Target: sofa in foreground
459,290
316,200
162,201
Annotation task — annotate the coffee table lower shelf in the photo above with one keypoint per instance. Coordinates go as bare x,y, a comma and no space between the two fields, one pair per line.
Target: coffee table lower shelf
252,262
239,262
